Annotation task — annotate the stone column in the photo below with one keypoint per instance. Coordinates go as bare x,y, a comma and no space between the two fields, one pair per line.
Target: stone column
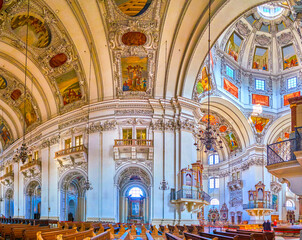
16,191
300,208
44,180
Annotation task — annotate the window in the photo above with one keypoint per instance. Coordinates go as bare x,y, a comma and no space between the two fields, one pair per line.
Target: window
135,192
141,134
214,201
214,183
36,155
290,204
127,133
78,140
213,159
68,143
292,82
229,71
260,84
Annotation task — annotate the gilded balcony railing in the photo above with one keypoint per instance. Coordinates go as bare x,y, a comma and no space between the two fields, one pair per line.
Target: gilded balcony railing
133,142
67,151
6,175
31,164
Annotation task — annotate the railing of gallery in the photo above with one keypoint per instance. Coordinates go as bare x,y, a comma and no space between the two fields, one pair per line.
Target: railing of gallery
190,194
30,164
258,205
284,151
133,142
80,148
6,175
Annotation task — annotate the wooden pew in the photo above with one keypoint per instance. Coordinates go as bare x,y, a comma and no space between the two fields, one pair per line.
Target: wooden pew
256,235
102,236
170,236
190,236
241,236
52,235
148,236
269,235
18,232
220,237
77,236
6,229
31,234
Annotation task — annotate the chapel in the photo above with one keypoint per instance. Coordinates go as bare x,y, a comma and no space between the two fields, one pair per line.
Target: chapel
151,115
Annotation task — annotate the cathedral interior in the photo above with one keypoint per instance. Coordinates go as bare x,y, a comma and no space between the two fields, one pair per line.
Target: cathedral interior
143,114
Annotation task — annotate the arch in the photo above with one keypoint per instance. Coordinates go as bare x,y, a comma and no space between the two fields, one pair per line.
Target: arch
33,199
276,128
290,204
214,201
9,203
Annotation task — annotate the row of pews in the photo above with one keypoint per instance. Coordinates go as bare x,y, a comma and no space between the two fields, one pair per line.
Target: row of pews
219,235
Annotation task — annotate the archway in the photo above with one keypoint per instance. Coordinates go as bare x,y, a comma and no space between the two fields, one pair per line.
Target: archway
73,197
33,200
134,190
9,203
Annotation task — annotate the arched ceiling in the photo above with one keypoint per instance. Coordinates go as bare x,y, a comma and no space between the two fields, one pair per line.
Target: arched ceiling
64,33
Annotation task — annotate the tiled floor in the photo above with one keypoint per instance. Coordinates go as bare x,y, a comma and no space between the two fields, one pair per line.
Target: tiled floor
286,238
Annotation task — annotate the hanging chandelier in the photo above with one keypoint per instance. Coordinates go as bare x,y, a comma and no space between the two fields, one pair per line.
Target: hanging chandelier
209,138
23,151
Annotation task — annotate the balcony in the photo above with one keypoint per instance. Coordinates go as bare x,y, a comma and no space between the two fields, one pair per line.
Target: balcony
7,179
235,185
258,209
191,199
70,156
31,169
133,149
284,161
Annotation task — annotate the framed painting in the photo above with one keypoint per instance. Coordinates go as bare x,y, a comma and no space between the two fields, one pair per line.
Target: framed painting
232,141
210,118
259,123
290,95
28,111
289,57
260,99
69,87
233,46
5,134
260,59
134,74
203,84
230,87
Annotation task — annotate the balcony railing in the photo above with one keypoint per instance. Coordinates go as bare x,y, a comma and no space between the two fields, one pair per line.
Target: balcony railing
190,194
67,151
258,205
133,142
6,175
284,151
30,164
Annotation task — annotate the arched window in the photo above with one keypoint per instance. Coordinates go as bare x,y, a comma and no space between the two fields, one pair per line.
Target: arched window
290,204
188,180
214,201
135,192
213,159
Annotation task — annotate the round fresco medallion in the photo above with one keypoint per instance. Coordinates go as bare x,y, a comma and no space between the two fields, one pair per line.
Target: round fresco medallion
3,82
38,33
134,39
15,94
58,60
133,8
223,128
1,4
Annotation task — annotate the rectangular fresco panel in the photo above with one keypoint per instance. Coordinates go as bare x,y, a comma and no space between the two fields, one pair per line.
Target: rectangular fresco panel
288,96
230,87
260,99
289,57
134,73
259,123
232,141
260,60
29,113
275,201
4,134
203,84
233,45
69,87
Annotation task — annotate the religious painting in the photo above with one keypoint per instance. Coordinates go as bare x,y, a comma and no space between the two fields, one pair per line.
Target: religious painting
289,96
260,99
289,57
259,123
5,134
29,113
134,73
3,82
134,39
58,60
133,8
275,202
38,34
230,87
210,118
223,128
260,60
16,94
135,208
232,141
69,87
233,46
203,84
